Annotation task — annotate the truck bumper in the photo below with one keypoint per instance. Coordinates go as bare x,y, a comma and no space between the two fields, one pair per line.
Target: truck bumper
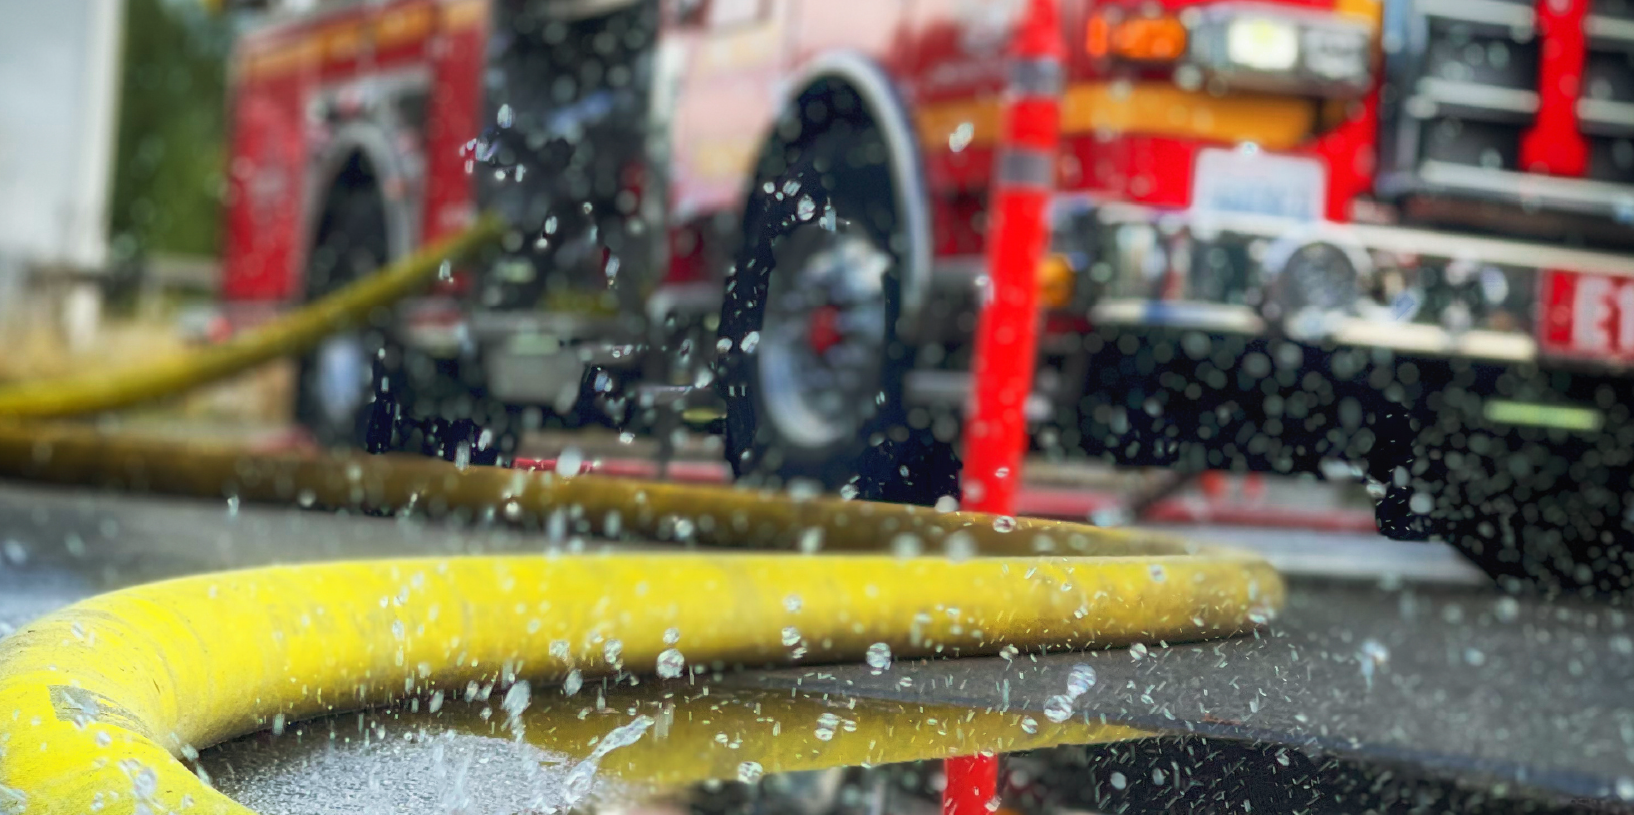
1415,291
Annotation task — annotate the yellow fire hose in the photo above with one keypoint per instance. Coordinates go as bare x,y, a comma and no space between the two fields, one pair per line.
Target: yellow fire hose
98,701
103,696
293,333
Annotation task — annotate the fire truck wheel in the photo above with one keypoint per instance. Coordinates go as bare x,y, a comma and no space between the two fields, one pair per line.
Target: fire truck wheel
333,398
811,367
440,407
362,389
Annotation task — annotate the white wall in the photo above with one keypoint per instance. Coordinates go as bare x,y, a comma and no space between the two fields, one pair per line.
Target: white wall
59,62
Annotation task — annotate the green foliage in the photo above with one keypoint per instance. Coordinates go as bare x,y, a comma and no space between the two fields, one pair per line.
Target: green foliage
171,159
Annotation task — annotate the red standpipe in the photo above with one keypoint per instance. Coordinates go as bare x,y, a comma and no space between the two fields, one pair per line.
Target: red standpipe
1007,332
1554,144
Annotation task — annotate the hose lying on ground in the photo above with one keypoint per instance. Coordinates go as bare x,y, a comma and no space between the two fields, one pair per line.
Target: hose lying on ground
102,697
293,333
98,701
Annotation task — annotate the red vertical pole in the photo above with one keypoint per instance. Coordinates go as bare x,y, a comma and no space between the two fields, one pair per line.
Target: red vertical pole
1553,144
1007,331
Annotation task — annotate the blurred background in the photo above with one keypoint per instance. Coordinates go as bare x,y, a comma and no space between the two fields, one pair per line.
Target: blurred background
112,177
1344,282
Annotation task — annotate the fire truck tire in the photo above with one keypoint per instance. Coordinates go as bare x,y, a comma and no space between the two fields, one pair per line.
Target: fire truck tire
362,389
442,409
811,367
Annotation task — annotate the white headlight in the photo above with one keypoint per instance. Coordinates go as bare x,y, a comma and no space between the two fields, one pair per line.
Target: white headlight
1262,44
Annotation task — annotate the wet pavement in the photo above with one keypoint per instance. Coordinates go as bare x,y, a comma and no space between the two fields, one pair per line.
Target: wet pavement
1403,660
1463,682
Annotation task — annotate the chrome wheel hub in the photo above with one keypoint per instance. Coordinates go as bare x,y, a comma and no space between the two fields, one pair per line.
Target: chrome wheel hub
823,345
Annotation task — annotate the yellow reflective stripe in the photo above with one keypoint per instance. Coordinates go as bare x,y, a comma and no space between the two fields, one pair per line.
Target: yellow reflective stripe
1140,108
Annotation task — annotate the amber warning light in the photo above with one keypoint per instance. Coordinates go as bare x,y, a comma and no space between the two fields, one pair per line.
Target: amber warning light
1138,39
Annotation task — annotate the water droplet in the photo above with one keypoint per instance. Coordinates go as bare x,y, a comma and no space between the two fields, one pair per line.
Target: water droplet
103,738
572,682
879,657
306,498
445,271
848,491
1058,708
1159,574
826,724
1507,609
672,636
507,117
792,604
749,772
1475,657
1139,650
960,546
671,663
947,503
570,462
1372,655
811,540
1009,652
805,208
1004,523
791,636
723,345
1625,788
232,506
517,699
145,782
750,342
1118,780
1029,724
397,630
582,777
1374,652
906,544
1079,680
614,651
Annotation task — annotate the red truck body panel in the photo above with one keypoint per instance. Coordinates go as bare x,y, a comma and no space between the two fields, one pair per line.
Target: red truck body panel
279,73
1132,136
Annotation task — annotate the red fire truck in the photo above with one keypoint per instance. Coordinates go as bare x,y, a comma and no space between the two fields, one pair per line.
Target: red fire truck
1334,236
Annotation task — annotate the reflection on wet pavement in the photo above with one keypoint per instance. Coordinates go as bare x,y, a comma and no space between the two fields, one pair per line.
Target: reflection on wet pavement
504,751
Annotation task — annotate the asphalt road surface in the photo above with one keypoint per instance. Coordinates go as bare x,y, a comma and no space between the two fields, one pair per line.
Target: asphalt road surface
1401,656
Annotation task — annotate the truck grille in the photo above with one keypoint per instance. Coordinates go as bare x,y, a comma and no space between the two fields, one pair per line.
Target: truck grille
1465,95
1605,110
